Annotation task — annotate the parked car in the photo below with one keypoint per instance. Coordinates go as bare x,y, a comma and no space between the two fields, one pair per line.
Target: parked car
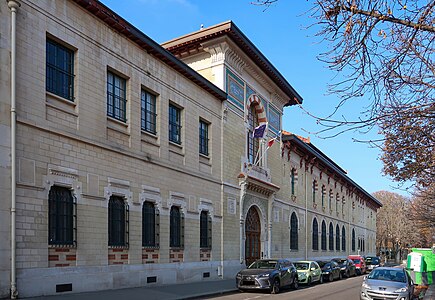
359,262
387,283
270,274
372,262
330,270
308,272
347,267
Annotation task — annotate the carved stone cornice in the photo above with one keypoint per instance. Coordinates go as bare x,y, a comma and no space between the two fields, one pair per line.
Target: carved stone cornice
258,186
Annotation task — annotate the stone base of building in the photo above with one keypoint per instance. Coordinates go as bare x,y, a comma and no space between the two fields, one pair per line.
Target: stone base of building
66,280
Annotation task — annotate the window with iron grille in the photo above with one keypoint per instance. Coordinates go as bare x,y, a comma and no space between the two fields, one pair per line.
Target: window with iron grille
343,238
116,97
323,238
353,240
294,232
337,238
331,237
174,124
150,225
59,70
314,190
62,217
203,137
118,222
205,230
253,144
176,232
148,112
315,237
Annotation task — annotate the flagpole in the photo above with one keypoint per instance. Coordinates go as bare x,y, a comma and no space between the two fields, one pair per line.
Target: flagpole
267,147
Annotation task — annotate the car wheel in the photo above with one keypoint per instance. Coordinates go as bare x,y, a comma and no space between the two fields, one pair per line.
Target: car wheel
295,284
321,279
331,277
347,274
275,287
309,281
340,276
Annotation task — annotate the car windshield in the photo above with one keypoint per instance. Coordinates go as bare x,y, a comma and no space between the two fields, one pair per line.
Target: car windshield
322,263
356,260
342,262
263,264
301,266
387,275
372,260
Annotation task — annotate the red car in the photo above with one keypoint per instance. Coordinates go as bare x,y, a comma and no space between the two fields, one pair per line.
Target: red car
360,263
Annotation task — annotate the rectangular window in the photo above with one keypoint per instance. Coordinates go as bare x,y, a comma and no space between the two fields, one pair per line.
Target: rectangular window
148,112
59,70
174,124
62,217
205,230
203,137
148,225
176,230
118,222
116,97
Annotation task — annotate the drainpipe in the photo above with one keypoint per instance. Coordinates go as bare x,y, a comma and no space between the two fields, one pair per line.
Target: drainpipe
13,6
306,215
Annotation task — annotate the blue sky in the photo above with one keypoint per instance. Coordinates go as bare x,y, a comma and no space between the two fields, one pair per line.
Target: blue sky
281,32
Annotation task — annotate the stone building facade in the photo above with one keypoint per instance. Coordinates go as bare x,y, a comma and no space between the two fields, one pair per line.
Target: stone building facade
135,167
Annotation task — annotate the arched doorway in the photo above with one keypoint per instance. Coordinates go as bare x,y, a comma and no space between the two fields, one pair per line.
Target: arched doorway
252,232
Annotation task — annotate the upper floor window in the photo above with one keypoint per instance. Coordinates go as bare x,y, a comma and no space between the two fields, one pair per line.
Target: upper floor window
59,70
116,97
253,143
62,216
314,190
148,112
323,195
203,137
150,225
174,124
118,222
293,181
205,230
176,231
331,195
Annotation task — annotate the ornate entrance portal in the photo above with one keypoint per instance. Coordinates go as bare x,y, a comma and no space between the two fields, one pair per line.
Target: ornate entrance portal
252,232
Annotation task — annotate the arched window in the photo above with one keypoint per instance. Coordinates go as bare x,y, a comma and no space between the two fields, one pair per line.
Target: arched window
343,238
353,240
150,223
293,232
337,238
176,228
205,232
61,216
323,239
315,237
253,144
331,237
118,222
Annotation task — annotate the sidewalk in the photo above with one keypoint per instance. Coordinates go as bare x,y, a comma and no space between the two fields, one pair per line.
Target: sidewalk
193,290
430,293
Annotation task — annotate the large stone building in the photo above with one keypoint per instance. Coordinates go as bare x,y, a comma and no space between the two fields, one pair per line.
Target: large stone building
124,165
